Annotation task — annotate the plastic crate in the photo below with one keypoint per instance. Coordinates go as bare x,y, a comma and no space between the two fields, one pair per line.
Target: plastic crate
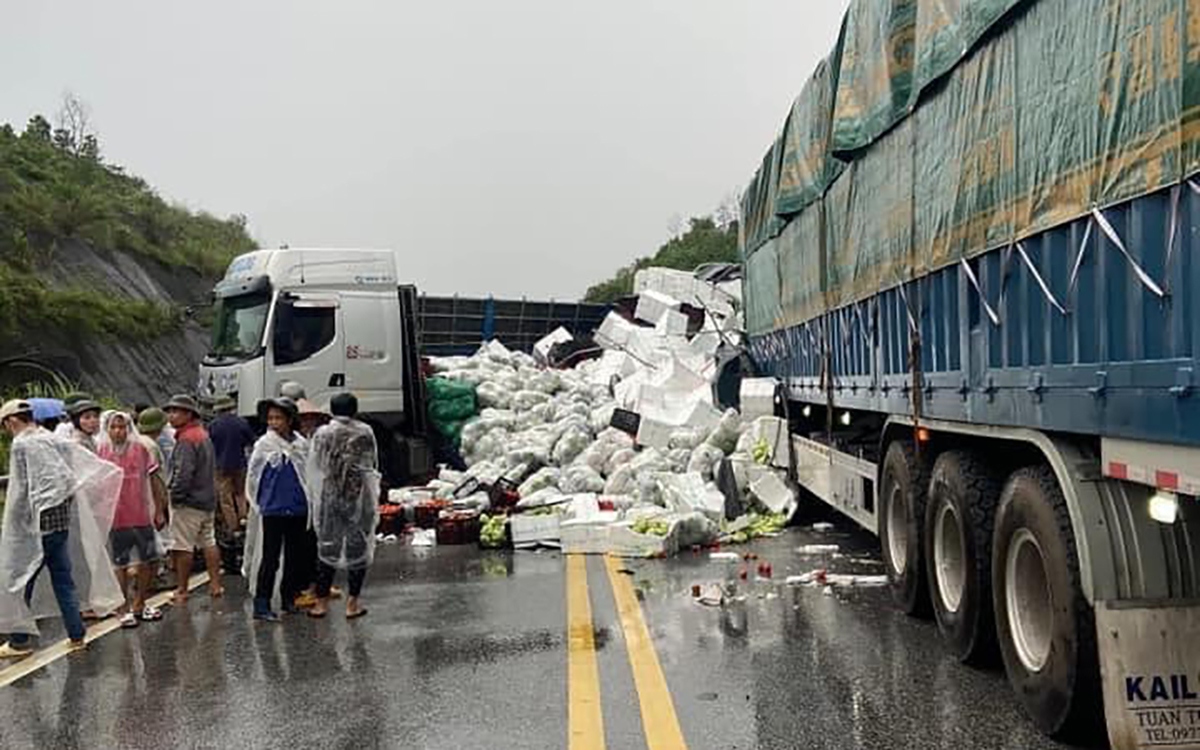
529,531
425,515
625,421
458,529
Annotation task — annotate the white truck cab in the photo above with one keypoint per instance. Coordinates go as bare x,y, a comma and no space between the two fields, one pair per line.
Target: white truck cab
327,319
332,320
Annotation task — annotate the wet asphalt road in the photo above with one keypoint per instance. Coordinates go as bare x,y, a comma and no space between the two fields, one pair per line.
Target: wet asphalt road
466,649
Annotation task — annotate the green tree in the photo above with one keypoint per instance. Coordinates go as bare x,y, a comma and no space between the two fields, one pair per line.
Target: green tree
38,129
704,242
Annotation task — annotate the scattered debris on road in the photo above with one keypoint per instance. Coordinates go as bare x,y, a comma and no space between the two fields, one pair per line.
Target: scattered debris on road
624,453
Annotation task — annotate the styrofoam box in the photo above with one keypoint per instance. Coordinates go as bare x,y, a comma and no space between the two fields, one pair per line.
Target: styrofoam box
772,492
775,431
614,331
623,541
672,323
652,305
654,434
530,531
584,537
541,349
758,398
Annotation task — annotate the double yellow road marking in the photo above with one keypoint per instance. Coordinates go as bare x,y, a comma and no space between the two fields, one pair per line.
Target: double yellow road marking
585,723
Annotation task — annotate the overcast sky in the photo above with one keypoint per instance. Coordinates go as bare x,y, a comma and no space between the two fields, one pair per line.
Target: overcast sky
524,147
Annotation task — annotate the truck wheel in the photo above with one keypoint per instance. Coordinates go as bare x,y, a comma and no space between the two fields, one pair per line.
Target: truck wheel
1045,626
963,494
902,516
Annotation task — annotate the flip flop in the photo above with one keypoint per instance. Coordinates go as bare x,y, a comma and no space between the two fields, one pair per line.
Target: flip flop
150,614
128,621
315,615
360,612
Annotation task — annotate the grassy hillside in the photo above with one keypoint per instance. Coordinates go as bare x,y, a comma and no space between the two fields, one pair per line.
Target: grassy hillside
704,242
54,186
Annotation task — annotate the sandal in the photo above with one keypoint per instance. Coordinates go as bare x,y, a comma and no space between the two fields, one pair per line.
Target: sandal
9,651
128,621
360,612
150,614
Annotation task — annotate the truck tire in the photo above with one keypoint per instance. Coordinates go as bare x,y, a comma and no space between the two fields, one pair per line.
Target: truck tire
1045,626
904,483
961,511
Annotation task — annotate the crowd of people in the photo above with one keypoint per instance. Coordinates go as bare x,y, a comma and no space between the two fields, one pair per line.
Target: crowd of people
110,503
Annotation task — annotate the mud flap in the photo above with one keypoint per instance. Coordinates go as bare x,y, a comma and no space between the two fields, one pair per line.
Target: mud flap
1150,667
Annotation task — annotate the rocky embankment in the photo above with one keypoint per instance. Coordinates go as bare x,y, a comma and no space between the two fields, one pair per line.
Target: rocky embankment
132,370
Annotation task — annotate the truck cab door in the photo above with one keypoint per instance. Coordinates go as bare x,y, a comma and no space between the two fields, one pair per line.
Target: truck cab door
373,348
306,346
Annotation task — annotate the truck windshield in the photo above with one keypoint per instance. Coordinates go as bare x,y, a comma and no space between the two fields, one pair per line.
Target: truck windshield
238,324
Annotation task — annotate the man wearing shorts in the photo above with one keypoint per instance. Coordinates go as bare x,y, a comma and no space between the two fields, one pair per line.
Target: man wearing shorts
232,438
193,497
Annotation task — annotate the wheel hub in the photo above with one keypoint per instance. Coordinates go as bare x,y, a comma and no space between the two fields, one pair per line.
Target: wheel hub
949,558
897,528
1030,603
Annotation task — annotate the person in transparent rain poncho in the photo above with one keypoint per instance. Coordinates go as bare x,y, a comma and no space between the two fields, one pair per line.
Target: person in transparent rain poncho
278,521
343,483
60,505
133,542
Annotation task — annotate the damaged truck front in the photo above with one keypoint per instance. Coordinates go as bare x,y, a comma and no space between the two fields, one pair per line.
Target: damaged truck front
971,276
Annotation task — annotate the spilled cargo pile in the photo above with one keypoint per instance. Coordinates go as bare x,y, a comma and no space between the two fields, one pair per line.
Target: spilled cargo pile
624,453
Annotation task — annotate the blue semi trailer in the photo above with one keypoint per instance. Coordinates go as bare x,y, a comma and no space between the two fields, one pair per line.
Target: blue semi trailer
973,275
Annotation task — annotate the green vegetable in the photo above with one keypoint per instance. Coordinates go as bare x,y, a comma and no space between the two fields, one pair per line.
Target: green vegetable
761,452
651,526
492,531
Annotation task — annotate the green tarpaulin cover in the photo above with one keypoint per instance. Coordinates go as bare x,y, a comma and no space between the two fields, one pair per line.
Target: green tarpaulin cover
961,135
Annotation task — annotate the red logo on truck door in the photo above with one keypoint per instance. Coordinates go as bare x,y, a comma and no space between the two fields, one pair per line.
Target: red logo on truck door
354,351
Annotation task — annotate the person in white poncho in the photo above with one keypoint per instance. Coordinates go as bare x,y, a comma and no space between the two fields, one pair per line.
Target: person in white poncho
279,520
343,483
141,514
60,505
